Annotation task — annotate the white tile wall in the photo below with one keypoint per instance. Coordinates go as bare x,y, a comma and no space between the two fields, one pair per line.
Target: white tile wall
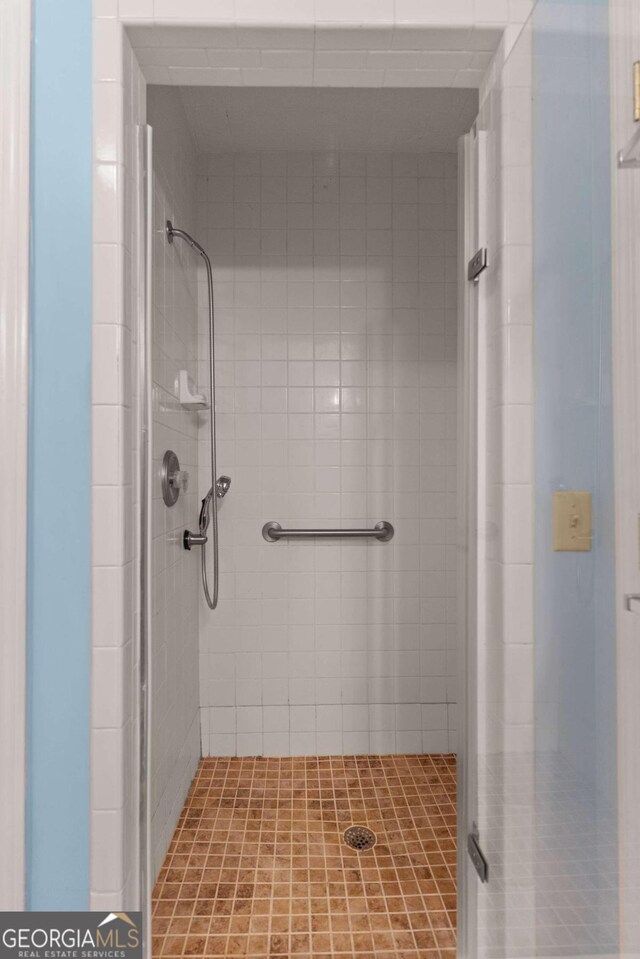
175,732
259,13
116,548
305,120
335,285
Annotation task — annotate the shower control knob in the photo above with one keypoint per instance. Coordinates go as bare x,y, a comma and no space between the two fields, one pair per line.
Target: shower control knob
180,480
172,478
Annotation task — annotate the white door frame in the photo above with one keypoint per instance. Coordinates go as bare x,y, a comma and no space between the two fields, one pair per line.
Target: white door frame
107,120
472,455
625,40
15,66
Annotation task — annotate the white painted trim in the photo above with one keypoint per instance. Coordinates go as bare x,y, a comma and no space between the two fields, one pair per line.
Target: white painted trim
145,287
625,40
467,472
15,59
472,498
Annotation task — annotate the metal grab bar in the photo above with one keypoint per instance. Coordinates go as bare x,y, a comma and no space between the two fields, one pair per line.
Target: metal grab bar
272,532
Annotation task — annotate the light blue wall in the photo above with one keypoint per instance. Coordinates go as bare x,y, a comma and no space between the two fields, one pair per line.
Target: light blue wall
575,639
575,627
59,571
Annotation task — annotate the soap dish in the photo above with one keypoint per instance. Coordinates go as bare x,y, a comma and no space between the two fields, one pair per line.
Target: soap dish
187,395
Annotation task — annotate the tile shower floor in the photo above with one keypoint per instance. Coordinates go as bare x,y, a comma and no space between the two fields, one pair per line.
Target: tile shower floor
258,865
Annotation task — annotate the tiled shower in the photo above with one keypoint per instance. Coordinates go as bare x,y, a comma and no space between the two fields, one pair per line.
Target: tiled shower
335,280
307,245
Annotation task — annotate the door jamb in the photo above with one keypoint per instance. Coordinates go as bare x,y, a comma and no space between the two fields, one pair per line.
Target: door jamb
471,500
15,118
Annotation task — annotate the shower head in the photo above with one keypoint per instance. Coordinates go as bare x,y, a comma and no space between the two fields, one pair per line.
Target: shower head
205,512
222,486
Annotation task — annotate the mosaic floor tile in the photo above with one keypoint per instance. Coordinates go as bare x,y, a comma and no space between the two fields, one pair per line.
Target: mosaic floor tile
258,865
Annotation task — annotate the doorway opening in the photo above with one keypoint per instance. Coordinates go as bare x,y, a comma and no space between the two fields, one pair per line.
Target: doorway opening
328,673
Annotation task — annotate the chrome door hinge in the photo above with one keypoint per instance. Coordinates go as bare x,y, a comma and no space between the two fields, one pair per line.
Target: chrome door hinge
477,265
477,855
632,602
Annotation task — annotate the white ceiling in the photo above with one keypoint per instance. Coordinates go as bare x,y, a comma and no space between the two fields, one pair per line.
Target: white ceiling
315,56
308,119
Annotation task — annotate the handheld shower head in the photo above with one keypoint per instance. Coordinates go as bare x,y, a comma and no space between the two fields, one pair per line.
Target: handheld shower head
222,486
205,512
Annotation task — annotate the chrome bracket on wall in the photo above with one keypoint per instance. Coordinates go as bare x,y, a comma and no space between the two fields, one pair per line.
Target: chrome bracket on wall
629,156
632,602
477,855
477,265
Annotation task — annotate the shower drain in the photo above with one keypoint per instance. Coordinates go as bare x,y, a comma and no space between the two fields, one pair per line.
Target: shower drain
359,837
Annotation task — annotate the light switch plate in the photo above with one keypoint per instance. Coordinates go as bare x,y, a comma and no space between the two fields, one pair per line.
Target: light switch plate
572,521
